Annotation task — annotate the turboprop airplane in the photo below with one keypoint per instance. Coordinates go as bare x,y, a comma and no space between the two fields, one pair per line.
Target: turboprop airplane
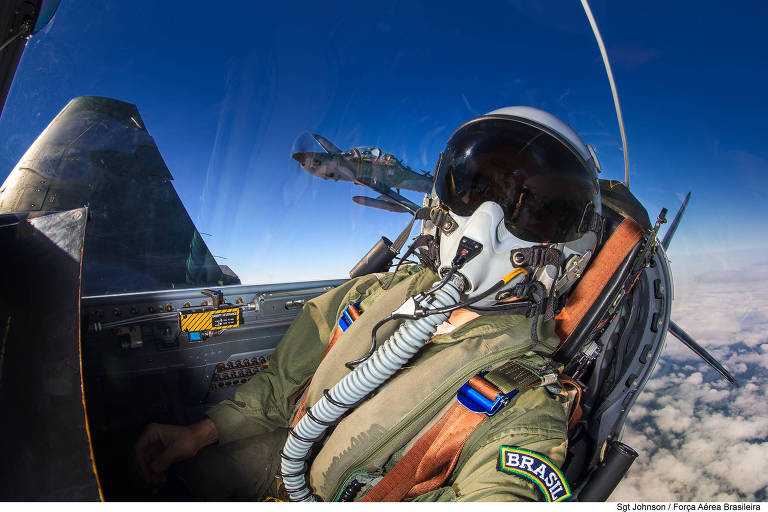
370,167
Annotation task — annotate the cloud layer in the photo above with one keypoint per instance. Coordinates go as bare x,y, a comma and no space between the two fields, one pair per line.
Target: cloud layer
699,438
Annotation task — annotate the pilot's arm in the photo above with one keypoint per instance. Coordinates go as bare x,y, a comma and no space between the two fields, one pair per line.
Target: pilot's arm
266,401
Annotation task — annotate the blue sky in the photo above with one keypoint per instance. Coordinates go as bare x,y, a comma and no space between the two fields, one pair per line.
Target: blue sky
225,93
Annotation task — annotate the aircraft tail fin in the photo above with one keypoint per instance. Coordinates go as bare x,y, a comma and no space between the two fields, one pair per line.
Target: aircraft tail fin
97,152
327,145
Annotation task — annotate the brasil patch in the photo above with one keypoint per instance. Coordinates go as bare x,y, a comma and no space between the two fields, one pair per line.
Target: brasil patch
536,468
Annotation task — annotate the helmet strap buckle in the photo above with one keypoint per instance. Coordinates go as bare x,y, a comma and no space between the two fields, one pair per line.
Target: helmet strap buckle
441,218
536,256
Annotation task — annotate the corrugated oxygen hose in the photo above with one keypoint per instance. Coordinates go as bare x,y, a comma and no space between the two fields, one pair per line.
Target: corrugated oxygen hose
355,386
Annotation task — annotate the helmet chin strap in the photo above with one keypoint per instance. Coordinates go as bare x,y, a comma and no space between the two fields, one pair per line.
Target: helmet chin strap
539,256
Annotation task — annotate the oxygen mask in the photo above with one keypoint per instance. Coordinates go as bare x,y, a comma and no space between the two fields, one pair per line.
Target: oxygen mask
478,249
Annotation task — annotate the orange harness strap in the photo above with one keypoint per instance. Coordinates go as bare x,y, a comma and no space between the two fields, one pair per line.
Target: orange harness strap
430,461
592,283
576,411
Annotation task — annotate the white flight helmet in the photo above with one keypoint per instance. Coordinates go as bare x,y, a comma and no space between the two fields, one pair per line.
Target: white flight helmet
515,178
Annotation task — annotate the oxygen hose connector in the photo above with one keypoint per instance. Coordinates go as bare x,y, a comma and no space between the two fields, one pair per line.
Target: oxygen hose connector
355,386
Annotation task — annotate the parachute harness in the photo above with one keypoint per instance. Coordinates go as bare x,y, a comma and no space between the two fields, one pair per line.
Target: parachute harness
355,386
423,313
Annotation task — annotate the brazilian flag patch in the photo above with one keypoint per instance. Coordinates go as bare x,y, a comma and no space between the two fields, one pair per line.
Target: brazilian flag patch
537,468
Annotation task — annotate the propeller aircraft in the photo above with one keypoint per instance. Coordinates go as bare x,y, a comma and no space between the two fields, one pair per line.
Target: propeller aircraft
370,167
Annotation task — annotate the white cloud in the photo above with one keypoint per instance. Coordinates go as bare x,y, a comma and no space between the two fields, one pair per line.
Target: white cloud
698,437
638,412
672,420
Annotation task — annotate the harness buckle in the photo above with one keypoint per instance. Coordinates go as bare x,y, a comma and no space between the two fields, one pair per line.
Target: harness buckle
349,315
477,400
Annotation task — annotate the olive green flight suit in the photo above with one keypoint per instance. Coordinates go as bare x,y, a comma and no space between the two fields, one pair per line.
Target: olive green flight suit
369,440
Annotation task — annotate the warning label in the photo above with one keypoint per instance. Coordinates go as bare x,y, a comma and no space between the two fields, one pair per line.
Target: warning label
210,320
225,319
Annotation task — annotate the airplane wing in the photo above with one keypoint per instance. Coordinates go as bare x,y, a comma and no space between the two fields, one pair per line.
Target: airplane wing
418,182
382,202
390,194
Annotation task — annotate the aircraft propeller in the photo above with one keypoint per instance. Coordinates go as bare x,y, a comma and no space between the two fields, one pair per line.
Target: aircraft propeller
305,142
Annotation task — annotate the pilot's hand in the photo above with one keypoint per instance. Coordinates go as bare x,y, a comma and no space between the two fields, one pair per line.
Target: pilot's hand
161,445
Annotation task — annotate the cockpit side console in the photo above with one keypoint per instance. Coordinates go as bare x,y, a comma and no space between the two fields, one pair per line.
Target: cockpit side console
167,356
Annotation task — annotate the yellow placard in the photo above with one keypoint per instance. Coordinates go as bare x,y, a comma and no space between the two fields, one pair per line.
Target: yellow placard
210,320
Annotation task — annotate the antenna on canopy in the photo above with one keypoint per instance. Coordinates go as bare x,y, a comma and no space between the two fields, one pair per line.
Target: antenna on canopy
592,22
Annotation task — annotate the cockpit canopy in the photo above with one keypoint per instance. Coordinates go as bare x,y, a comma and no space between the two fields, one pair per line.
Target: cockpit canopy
373,154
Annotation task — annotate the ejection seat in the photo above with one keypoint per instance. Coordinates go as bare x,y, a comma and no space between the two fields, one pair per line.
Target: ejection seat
612,327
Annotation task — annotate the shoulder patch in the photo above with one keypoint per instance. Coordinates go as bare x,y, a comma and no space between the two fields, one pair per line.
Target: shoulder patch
537,468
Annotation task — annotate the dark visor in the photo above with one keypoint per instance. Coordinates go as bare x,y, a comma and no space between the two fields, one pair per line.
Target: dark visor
542,184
